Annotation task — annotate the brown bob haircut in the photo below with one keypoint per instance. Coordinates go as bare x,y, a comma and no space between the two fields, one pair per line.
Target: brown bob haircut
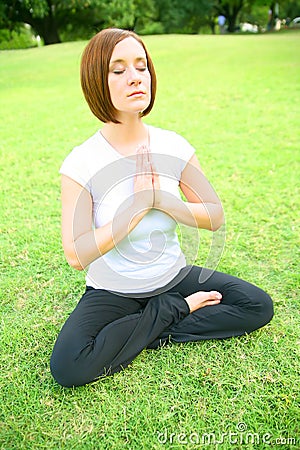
95,68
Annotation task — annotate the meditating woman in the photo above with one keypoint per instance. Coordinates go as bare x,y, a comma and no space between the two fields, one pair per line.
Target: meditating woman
121,203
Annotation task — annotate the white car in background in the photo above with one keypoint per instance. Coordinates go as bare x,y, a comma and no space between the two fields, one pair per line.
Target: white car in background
248,28
295,22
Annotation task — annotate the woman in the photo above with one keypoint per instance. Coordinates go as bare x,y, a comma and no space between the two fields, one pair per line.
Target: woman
120,208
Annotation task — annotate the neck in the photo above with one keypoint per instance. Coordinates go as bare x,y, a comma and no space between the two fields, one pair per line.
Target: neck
125,137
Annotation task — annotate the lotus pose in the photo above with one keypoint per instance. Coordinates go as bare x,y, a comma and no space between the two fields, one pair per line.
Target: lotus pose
124,192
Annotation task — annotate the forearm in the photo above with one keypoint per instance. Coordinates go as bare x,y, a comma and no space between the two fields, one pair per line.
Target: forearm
96,242
83,244
204,215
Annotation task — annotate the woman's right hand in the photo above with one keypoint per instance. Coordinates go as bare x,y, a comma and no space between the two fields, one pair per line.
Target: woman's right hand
143,180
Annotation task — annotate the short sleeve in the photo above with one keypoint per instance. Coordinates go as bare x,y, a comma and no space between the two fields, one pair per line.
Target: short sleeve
75,167
184,150
179,152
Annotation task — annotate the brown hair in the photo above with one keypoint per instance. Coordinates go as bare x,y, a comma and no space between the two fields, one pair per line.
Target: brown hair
94,73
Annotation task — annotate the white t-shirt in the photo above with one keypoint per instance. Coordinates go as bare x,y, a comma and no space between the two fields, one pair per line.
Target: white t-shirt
150,256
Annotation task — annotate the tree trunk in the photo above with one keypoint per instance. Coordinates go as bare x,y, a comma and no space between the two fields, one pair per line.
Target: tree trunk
231,14
46,28
212,25
232,21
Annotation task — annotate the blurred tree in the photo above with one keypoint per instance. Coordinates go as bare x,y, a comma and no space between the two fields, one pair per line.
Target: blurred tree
179,16
128,14
231,9
46,17
56,20
289,9
52,18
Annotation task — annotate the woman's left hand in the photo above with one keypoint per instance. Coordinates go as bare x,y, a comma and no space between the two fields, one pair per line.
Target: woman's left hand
157,193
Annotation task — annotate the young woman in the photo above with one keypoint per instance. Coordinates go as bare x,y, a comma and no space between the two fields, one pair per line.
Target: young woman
121,203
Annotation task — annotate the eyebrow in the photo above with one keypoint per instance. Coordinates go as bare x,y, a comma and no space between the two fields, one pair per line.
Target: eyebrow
120,60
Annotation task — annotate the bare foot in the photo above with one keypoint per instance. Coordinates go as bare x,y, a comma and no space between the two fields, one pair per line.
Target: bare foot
202,298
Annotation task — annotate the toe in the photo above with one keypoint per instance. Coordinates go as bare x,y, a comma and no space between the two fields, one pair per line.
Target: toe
215,295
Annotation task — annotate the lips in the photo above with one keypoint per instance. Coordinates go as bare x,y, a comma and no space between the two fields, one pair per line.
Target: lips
136,93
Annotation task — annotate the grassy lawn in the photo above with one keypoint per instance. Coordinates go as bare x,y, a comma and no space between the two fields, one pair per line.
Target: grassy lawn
236,99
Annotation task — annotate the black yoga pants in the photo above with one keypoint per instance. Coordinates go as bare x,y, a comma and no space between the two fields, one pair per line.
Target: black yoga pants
106,331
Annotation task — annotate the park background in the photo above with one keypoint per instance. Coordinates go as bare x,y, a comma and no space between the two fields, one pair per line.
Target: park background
26,23
236,98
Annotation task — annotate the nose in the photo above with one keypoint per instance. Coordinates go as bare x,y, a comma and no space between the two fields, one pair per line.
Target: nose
134,76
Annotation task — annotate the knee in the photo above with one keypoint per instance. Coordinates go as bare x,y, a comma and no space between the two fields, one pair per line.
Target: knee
267,307
259,308
62,372
263,311
70,369
67,369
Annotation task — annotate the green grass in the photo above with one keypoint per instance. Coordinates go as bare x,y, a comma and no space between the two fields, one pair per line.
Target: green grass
236,98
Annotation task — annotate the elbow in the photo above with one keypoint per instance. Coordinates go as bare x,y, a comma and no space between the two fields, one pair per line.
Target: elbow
217,219
75,265
73,261
216,226
217,223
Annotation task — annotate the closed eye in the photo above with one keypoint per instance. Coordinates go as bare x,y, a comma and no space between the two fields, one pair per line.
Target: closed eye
118,71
